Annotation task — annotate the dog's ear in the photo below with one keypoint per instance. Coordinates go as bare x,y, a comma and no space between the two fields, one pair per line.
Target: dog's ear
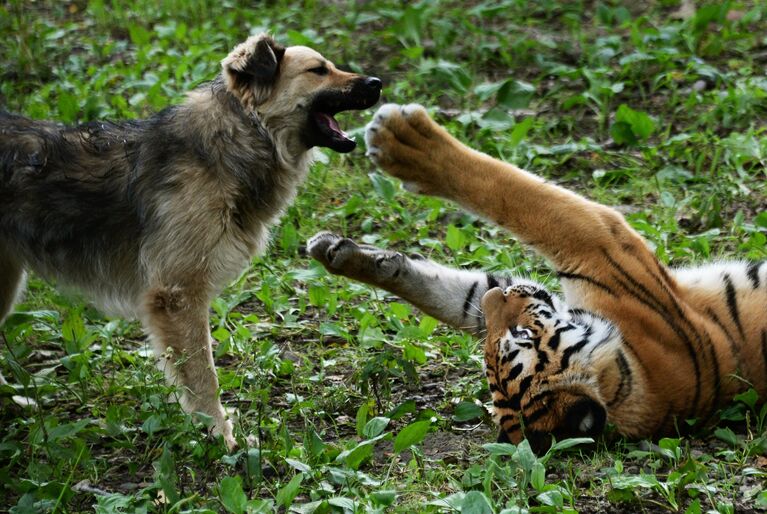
251,69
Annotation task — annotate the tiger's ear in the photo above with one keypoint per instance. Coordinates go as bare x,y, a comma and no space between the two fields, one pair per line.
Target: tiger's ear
251,69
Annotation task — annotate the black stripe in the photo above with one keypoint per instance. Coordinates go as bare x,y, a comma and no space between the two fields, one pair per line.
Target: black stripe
627,381
661,310
506,403
544,296
515,371
514,401
577,276
469,297
538,397
570,350
515,425
715,359
510,356
535,416
555,339
753,272
732,302
730,340
492,282
702,337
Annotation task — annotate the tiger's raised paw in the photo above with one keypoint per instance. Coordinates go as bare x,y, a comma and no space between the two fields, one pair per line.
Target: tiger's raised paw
406,143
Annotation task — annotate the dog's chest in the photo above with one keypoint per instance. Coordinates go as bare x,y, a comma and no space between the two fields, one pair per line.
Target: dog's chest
246,222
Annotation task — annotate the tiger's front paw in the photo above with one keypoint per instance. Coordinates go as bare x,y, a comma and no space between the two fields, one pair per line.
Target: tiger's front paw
406,143
328,248
342,256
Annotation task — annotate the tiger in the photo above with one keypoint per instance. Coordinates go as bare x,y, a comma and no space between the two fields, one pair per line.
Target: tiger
631,342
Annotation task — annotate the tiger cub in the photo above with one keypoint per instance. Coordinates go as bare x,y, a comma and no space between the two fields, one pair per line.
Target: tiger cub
633,342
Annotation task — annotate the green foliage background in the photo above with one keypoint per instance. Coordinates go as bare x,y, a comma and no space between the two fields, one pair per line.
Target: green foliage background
354,402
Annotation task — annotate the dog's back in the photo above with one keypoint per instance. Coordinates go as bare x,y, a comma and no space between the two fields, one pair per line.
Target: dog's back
65,207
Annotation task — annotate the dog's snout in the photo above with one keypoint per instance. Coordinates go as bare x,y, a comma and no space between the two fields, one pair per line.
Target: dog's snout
373,83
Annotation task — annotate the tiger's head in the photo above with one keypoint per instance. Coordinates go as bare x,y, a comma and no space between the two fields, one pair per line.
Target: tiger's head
539,367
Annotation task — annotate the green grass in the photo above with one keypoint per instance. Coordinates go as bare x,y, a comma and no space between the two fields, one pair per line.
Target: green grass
357,402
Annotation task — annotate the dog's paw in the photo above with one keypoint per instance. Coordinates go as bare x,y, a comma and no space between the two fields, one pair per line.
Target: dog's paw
224,429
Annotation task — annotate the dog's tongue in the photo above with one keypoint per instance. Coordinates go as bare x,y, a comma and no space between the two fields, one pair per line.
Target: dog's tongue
329,125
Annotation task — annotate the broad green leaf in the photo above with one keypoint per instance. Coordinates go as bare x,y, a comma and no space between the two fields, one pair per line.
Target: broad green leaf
622,134
427,325
232,496
525,455
475,502
694,508
384,497
553,498
465,411
631,126
515,94
383,186
348,504
166,474
496,119
504,449
569,443
375,426
287,494
412,434
414,353
726,435
520,131
538,476
402,409
298,465
454,238
68,107
362,418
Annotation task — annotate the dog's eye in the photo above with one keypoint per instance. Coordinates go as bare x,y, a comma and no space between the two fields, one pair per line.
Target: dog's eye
319,70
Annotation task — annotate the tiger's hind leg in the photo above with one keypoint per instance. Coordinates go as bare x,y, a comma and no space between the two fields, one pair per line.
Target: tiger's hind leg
450,295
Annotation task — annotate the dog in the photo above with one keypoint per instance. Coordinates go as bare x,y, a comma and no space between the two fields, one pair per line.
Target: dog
150,219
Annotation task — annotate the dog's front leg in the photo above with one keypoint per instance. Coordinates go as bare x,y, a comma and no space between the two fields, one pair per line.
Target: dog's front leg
177,321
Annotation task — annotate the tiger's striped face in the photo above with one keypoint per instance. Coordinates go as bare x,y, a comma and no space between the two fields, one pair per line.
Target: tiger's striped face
537,366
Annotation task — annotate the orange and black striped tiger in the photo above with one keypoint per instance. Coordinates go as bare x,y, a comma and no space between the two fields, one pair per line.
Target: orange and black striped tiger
633,342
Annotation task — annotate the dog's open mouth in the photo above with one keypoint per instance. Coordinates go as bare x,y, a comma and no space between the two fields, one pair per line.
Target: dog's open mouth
323,129
336,138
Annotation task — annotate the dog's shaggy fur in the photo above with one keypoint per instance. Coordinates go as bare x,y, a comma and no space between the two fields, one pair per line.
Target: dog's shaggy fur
151,218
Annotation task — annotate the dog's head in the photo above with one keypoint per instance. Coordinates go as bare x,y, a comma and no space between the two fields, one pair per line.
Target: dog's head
295,89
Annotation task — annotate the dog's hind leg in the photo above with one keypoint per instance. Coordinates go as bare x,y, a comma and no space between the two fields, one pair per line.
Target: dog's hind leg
177,321
12,278
11,281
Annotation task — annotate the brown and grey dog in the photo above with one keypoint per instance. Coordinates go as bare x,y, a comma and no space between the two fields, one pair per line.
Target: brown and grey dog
152,218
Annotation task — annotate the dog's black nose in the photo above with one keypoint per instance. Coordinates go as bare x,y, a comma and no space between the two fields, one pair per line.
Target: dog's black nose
373,82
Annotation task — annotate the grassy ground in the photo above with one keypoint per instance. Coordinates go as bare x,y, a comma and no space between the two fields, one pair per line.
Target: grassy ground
358,402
